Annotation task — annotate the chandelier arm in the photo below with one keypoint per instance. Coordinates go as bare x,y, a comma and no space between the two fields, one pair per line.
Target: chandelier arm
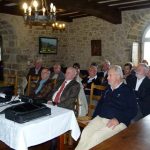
46,5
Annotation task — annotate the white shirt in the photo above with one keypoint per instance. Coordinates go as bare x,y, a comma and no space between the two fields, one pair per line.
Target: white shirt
138,83
90,79
67,82
55,76
105,73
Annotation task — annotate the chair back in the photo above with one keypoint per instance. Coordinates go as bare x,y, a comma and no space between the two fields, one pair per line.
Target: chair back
100,89
11,79
32,80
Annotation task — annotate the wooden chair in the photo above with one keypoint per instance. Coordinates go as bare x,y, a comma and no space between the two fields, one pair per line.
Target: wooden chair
11,80
32,80
67,136
83,121
94,97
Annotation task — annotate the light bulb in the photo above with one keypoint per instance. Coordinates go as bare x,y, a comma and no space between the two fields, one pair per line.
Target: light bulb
35,4
25,6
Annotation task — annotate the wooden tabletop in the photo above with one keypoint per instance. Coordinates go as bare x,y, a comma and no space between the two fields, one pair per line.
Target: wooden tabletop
135,137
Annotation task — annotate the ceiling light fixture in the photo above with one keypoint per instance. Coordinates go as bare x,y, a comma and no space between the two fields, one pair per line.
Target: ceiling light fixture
58,26
39,13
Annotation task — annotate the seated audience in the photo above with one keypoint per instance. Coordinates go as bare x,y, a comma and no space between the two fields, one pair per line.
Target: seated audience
92,78
57,74
113,112
36,70
66,91
44,86
141,86
83,106
128,75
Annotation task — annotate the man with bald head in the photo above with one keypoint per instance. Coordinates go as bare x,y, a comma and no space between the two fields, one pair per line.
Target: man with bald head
113,112
66,91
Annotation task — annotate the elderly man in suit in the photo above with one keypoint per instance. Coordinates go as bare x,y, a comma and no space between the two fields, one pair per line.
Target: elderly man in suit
113,112
141,86
65,94
66,91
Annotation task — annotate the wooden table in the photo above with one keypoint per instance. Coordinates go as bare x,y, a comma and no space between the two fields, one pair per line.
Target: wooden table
135,137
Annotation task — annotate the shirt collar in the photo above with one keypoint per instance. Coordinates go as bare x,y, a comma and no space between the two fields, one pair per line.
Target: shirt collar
93,77
116,86
67,81
141,79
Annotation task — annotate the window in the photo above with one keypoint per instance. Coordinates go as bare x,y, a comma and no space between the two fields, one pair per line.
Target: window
135,53
146,45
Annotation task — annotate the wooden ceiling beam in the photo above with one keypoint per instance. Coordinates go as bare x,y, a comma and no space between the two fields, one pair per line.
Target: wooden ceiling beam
106,13
129,4
136,7
11,10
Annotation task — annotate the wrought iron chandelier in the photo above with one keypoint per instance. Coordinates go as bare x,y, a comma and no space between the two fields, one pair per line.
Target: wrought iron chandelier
39,13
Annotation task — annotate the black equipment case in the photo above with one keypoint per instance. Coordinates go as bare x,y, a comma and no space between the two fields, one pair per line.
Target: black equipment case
27,111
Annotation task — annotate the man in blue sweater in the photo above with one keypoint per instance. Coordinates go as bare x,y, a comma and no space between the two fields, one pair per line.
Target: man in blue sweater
113,112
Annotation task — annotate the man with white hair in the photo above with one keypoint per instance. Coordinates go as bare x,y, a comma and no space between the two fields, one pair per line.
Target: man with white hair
141,86
66,91
113,112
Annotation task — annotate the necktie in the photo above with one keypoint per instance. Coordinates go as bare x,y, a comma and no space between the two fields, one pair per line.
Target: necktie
57,97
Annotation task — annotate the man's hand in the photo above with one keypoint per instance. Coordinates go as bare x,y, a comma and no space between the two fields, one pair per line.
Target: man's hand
112,123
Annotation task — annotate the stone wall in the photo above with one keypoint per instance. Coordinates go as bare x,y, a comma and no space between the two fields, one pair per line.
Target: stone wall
20,43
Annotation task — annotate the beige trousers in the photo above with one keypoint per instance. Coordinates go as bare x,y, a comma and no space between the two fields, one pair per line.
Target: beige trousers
96,132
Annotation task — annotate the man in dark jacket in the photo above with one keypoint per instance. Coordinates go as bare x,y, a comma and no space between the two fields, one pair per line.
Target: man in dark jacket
141,86
92,78
44,86
113,112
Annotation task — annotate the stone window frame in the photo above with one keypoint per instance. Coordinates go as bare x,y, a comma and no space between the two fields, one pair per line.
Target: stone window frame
144,40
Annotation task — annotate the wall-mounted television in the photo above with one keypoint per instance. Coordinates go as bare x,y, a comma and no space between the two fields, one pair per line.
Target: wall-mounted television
48,45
